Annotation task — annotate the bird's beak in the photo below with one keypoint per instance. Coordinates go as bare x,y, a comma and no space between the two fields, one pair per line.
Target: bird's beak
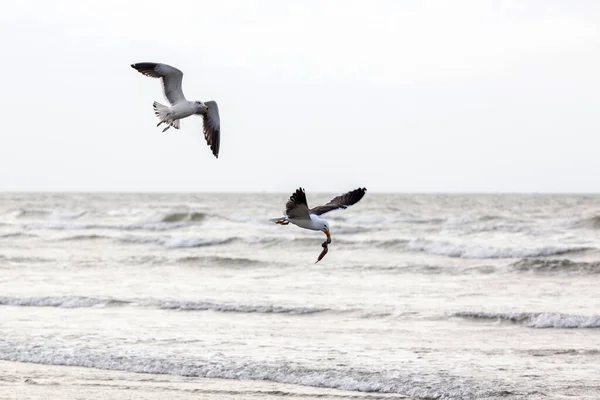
206,107
327,233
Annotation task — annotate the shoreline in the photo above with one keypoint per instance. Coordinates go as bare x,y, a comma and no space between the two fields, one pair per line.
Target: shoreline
27,381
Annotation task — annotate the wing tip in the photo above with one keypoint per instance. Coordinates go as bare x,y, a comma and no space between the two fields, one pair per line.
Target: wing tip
300,193
146,68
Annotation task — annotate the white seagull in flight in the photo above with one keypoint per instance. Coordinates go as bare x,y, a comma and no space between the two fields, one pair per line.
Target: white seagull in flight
298,213
180,106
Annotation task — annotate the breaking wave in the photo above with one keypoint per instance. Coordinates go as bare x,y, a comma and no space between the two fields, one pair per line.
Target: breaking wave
219,261
148,226
54,213
24,259
536,320
191,216
177,242
59,301
566,266
473,251
239,308
417,384
180,305
16,235
590,223
85,237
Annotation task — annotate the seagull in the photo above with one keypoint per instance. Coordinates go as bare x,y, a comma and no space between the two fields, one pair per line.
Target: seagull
180,106
298,213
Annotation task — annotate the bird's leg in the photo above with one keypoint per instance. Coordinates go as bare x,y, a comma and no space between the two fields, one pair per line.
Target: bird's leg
282,222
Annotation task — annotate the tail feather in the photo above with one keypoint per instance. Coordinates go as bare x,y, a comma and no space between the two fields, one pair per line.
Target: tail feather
162,112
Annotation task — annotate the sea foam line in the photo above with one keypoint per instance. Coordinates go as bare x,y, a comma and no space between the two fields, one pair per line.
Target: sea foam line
457,250
536,319
180,305
422,385
57,301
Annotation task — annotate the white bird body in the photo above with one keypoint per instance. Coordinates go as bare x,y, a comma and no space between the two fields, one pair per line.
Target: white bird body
180,107
298,213
314,223
183,109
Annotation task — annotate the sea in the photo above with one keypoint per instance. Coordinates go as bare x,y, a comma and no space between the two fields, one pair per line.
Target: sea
424,296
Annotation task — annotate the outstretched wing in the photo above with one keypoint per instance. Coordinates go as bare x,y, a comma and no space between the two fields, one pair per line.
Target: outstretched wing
343,201
296,206
171,79
212,126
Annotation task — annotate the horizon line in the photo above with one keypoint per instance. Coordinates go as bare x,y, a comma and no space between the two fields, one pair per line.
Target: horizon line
5,192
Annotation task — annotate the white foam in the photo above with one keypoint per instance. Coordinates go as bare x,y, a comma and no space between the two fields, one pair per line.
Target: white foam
181,305
150,226
66,214
176,242
15,234
186,242
176,216
240,308
441,385
473,251
52,213
538,320
126,212
58,301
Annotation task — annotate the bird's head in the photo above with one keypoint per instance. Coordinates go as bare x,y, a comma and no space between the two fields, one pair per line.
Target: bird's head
325,229
202,106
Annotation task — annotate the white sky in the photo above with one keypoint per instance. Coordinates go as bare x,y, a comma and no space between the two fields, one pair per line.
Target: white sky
403,96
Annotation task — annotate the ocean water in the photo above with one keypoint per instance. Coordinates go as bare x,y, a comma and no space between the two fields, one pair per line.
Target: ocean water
425,296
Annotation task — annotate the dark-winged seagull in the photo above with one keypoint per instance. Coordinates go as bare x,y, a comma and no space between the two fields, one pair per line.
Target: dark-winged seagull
180,106
298,213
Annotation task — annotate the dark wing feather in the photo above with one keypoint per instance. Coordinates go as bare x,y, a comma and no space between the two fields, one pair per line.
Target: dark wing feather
171,78
212,126
343,201
296,207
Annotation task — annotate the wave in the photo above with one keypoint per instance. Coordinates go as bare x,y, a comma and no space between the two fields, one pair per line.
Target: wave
180,216
147,226
177,242
350,230
239,308
181,242
219,261
473,251
24,259
65,214
388,244
422,220
180,305
85,237
126,212
567,266
441,385
589,223
58,301
536,320
52,213
16,235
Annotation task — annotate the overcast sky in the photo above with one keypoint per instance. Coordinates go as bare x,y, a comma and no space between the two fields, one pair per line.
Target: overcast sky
402,96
